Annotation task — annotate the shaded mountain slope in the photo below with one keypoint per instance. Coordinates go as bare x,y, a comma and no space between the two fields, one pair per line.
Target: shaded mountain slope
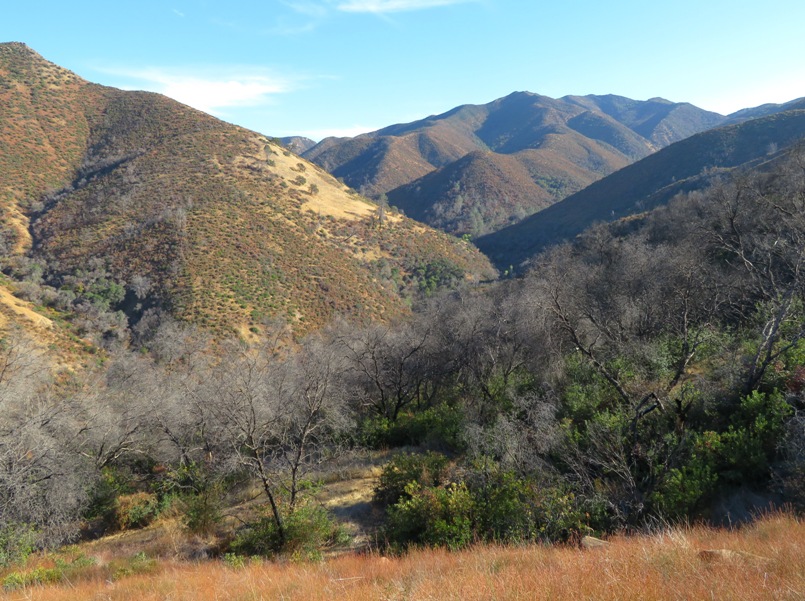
658,120
134,194
562,145
764,110
478,189
683,166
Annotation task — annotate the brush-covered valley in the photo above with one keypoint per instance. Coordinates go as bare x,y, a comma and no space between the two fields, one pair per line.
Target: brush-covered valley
552,348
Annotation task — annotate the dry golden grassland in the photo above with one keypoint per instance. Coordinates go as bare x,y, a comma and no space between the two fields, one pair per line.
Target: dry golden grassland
765,561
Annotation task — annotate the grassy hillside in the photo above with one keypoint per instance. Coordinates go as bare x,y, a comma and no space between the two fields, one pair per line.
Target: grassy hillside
138,201
527,151
686,165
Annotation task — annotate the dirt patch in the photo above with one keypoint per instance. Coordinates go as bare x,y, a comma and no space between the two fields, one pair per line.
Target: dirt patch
19,222
21,309
351,503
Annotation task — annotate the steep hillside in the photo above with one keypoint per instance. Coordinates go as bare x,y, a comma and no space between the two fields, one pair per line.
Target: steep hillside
683,166
375,164
136,201
561,146
472,194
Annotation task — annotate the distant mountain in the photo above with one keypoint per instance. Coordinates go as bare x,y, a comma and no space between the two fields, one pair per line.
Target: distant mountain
478,168
687,165
297,144
479,190
764,110
132,200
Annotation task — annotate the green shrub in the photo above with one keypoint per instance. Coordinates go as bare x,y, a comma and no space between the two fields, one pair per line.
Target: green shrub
234,561
503,507
425,470
17,580
140,563
374,432
308,529
17,542
440,516
511,508
757,428
685,487
491,505
136,510
202,511
61,572
111,484
435,427
560,516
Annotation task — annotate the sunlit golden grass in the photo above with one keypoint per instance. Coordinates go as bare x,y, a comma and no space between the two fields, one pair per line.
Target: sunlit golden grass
767,563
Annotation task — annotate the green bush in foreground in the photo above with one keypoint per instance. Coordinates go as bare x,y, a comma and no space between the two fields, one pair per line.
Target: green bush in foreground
490,505
426,470
308,530
61,572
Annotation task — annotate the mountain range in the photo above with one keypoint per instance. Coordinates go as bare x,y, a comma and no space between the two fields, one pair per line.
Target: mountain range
478,168
753,137
131,202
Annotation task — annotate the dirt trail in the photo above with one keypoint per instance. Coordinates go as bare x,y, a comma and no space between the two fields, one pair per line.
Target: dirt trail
350,501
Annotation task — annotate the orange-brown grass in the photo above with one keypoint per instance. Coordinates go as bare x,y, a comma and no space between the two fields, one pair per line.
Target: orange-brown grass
664,566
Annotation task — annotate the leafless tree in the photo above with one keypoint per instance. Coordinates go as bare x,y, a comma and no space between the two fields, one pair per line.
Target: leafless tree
756,229
277,414
42,483
390,366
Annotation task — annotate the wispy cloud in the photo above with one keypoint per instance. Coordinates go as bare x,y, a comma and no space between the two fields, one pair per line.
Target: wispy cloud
211,89
178,13
316,10
285,28
392,6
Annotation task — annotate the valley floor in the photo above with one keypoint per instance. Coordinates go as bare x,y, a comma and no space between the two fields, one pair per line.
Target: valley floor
763,561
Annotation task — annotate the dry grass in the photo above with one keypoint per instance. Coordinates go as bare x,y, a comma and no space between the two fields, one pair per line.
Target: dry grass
21,309
770,565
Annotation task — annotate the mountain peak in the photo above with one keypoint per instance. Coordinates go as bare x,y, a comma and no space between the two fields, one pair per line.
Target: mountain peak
18,50
17,47
660,100
19,62
549,148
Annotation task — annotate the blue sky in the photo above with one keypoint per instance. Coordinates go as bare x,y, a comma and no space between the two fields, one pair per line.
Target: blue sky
341,67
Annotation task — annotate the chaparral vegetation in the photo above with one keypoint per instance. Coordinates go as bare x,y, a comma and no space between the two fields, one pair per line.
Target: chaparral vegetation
213,354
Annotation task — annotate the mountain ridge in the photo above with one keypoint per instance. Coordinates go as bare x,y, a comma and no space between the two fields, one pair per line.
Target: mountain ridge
562,145
687,165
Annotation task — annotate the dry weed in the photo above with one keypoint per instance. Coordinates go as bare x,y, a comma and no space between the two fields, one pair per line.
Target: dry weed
663,566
